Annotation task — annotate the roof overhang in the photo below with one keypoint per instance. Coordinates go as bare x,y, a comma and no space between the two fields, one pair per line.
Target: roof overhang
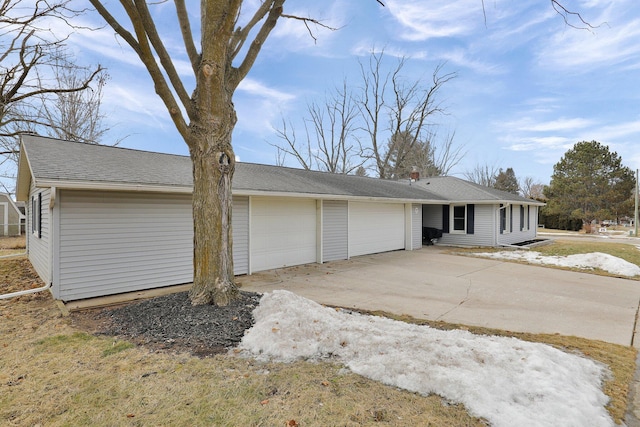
148,188
496,202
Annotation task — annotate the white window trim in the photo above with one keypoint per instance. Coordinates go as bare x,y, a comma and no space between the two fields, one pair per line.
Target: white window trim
36,210
452,230
507,219
525,218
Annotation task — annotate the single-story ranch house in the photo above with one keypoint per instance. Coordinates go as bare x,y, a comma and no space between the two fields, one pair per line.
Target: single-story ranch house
106,220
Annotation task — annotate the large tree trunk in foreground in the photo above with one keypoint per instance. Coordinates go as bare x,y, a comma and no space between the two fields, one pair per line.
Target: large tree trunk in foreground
213,166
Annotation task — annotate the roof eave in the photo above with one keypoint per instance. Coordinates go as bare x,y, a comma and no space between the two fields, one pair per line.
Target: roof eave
111,186
114,186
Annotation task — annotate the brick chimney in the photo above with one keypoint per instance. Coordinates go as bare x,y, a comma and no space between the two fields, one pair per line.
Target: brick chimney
414,175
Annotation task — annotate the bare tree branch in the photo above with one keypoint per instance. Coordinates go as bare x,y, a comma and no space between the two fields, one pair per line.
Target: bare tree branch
187,35
308,21
567,14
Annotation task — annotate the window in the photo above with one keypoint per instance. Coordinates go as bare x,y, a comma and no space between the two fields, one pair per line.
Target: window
36,214
458,218
506,220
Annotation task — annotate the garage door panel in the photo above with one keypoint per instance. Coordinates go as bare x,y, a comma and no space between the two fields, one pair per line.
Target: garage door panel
375,227
283,232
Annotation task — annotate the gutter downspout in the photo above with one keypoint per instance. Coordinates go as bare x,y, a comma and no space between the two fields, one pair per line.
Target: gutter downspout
14,255
25,292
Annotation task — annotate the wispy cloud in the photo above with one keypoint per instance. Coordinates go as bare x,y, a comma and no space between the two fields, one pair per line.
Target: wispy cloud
613,44
537,143
256,88
561,124
425,19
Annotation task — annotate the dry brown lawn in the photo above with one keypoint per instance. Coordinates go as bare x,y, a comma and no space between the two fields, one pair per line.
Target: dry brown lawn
53,373
12,245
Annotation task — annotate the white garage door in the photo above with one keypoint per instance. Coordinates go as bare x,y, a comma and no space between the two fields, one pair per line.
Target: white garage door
283,232
375,227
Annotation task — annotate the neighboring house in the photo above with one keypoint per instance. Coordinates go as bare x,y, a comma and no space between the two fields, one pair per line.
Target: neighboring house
476,215
10,216
105,220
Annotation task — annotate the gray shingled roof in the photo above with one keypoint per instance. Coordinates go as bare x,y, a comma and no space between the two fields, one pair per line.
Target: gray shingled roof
456,189
65,162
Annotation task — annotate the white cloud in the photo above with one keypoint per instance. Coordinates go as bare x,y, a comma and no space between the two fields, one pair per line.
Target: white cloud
257,88
425,19
619,130
561,124
614,44
538,143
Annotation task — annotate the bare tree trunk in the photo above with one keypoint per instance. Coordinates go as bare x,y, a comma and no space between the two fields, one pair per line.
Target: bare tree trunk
213,167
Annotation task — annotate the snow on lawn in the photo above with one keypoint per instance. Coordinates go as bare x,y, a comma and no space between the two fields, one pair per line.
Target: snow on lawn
507,381
606,262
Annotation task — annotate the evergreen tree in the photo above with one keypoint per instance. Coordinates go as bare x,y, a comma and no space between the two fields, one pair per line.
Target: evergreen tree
589,182
507,181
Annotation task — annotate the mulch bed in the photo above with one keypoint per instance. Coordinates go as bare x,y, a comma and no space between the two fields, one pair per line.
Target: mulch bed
171,323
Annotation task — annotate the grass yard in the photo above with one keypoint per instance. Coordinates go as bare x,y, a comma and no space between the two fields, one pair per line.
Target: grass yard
12,245
560,247
54,373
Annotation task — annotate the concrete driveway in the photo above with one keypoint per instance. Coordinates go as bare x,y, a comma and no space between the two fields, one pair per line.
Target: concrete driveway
432,285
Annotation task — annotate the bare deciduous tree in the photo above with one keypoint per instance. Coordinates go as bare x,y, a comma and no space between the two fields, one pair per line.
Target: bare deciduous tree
483,174
76,116
30,56
329,145
386,124
390,105
532,189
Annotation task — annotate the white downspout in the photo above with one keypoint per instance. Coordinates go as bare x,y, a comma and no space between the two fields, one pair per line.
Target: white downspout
25,292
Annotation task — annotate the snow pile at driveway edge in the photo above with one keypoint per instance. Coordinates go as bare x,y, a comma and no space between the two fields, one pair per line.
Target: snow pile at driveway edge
504,380
606,262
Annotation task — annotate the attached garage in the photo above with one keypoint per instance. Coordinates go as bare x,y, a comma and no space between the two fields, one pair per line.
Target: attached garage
112,220
121,242
375,227
283,232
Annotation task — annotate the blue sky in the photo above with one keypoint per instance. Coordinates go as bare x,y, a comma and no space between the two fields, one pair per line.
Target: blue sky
528,85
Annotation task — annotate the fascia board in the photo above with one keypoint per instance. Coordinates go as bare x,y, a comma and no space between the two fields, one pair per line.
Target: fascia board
23,182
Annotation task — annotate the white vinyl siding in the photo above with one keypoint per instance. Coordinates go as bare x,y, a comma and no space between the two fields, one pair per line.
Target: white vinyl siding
517,235
483,220
38,246
416,226
122,242
335,228
283,232
240,227
375,227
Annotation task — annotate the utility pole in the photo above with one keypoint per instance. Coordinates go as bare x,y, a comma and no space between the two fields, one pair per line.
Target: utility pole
635,218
